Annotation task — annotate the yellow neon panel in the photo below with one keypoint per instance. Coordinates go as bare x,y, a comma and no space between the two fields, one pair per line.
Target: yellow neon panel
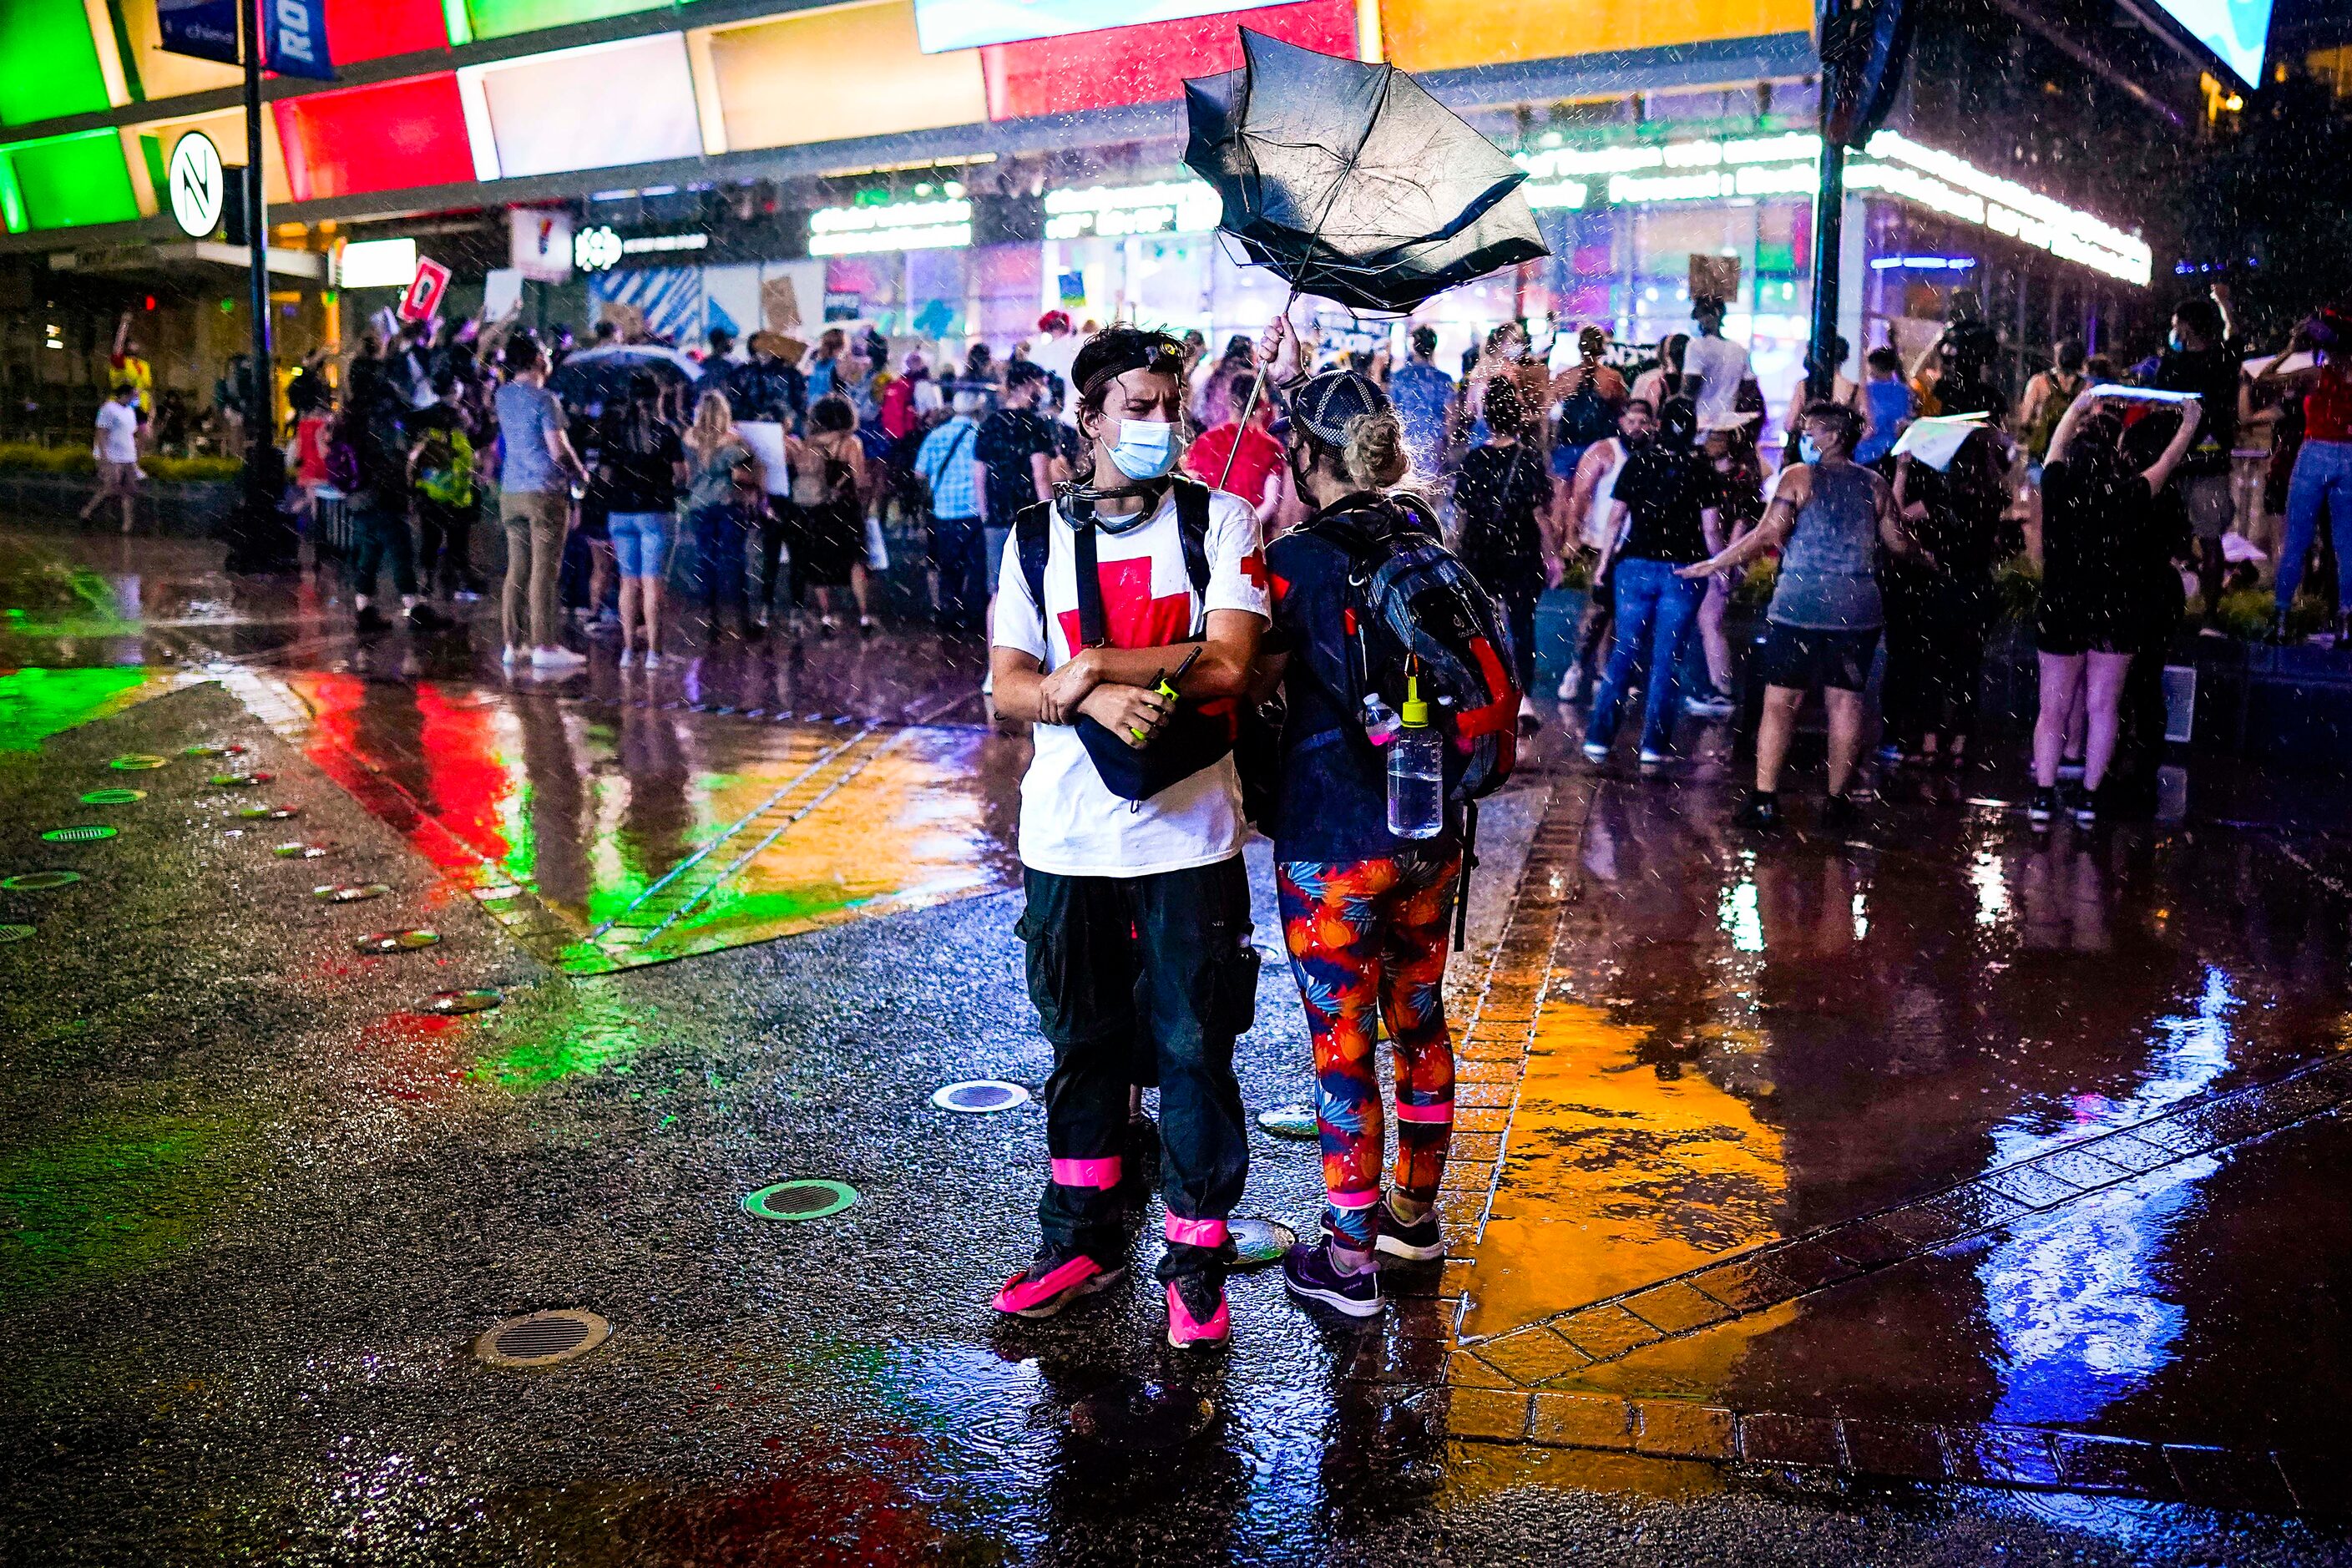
813,78
1445,35
163,75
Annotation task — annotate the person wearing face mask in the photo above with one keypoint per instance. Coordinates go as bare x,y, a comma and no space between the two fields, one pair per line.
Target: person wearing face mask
1133,583
1667,512
1828,517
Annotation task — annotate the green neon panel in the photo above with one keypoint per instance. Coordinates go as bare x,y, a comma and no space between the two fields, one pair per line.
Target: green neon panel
504,19
52,61
65,182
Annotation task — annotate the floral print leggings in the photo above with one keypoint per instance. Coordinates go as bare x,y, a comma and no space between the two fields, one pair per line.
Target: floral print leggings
1369,937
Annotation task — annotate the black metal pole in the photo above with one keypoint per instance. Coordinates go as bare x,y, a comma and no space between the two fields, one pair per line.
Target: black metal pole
1829,243
256,225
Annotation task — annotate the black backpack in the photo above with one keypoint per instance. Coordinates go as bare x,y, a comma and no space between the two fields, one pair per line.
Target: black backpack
1413,602
1586,416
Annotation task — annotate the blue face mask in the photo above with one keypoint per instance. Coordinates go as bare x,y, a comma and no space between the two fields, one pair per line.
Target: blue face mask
1809,449
1146,448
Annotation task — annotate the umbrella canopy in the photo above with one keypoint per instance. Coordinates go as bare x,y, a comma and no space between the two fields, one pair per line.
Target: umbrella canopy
1350,182
601,375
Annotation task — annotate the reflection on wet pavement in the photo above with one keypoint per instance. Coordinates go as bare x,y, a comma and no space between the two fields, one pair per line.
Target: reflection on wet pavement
1746,1040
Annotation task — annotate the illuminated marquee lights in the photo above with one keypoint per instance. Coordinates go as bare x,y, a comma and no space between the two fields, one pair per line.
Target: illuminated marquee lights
1172,206
891,226
1785,165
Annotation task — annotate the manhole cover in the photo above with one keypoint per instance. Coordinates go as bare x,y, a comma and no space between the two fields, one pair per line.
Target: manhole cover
9,933
88,833
453,1003
228,749
800,1200
302,851
980,1096
113,796
1290,1121
39,881
139,762
542,1339
244,780
269,812
1142,1417
349,892
397,941
1258,1242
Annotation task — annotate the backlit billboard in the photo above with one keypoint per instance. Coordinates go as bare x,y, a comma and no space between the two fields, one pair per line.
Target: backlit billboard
943,24
2236,30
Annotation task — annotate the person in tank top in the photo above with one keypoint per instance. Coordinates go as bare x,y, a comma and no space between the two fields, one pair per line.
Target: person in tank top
1828,518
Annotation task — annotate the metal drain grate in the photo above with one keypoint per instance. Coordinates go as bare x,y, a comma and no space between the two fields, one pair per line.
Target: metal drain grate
39,881
451,1004
139,762
9,933
244,780
88,833
349,892
397,941
269,812
113,796
542,1339
800,1200
980,1096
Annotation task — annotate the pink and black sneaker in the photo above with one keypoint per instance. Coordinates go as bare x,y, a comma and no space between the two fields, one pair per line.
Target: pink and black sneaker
1055,1277
1196,1312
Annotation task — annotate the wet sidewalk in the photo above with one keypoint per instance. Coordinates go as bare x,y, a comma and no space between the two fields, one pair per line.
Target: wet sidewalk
1947,1152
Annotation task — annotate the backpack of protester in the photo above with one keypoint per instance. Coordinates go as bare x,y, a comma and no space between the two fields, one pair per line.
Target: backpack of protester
1413,602
1586,416
445,467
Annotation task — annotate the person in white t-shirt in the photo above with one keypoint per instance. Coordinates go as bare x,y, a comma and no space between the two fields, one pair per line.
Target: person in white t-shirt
1721,366
117,451
1138,910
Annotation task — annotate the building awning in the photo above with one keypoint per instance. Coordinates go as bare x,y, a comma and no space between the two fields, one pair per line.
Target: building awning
301,266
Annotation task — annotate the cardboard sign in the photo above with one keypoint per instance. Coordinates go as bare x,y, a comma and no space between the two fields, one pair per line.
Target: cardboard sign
423,301
539,244
501,293
630,319
1714,277
779,305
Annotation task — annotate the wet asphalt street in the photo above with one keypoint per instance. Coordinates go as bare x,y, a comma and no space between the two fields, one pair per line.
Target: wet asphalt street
1937,1194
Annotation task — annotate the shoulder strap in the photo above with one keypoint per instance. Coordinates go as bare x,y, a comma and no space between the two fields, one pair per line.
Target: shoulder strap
1193,527
1031,540
1093,631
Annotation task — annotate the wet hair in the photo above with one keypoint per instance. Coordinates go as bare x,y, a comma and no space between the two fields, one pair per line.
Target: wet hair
1238,393
1022,372
1885,362
645,386
1643,403
1679,422
2099,438
1505,410
833,414
714,421
1341,421
1424,342
1591,340
1841,350
2069,354
607,329
2201,316
1827,411
524,354
1671,349
1238,349
1114,352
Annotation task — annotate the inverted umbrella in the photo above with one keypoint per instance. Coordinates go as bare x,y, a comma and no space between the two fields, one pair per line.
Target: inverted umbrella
1350,182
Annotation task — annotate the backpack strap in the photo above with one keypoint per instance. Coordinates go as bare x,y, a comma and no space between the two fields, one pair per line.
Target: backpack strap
1031,540
1193,528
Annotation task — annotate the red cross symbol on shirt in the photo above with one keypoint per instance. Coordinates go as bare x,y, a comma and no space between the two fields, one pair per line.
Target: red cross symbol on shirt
1132,617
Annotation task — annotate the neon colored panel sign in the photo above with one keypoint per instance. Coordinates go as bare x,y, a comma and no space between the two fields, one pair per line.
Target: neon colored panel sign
64,182
2238,31
811,77
379,29
627,102
504,19
48,61
970,24
1147,64
385,137
1445,35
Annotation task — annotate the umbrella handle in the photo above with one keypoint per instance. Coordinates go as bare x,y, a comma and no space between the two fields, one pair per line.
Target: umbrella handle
1258,386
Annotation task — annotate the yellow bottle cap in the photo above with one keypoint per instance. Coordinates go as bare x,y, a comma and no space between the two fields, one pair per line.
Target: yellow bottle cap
1416,712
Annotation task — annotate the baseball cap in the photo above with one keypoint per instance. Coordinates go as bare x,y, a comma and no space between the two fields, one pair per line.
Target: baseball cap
1328,403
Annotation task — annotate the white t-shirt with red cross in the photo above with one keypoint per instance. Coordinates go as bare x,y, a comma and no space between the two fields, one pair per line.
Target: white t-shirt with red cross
1071,823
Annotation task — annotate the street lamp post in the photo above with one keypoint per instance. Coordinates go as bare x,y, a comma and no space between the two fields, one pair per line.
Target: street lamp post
1863,47
259,541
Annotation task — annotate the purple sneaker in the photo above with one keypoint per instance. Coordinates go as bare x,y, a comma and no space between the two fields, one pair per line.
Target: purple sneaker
1312,1276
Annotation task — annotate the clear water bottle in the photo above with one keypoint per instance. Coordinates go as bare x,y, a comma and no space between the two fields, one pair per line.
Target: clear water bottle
1416,771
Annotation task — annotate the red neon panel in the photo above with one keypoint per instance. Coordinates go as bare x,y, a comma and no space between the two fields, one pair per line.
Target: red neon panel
381,137
1147,64
377,29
